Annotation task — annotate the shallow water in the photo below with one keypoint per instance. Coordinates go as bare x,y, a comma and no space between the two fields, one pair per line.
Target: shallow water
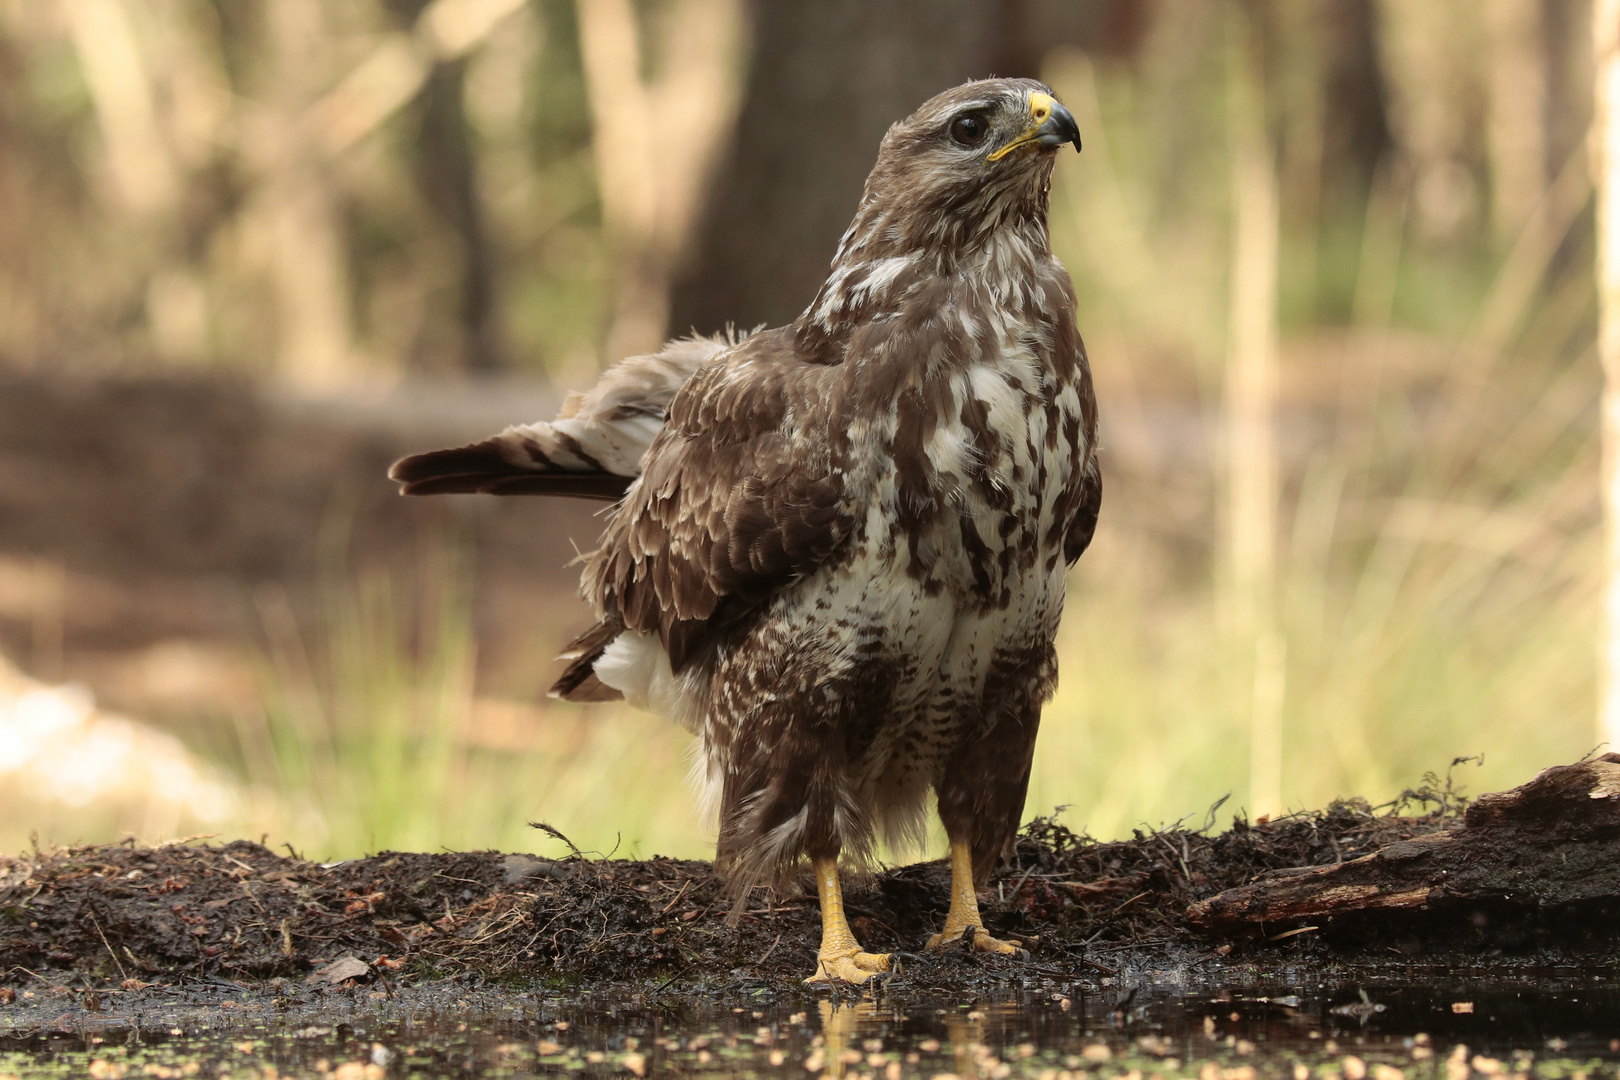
1456,1030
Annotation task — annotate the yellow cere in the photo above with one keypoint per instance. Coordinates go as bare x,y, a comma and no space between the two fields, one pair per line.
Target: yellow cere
1040,108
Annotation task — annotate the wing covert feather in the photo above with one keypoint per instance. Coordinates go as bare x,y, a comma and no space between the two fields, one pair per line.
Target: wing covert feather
740,495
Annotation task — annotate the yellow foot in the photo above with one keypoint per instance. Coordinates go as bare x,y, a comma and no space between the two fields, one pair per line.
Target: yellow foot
982,942
851,967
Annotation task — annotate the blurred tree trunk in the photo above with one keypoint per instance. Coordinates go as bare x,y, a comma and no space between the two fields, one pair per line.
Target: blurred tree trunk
446,170
309,260
1517,113
1250,408
1566,28
827,78
1606,172
1431,51
1566,35
1355,101
144,176
656,127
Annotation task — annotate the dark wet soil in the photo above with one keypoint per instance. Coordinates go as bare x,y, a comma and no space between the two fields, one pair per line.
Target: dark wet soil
120,917
200,960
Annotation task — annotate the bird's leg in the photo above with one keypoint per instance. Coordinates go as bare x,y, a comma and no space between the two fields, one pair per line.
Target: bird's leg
840,958
964,912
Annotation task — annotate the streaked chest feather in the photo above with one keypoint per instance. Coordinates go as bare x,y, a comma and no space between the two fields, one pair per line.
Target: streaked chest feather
968,504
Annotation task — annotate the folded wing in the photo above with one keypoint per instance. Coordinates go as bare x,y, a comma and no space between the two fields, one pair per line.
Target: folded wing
743,494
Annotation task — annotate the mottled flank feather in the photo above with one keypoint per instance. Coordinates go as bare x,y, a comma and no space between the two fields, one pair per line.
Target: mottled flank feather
592,450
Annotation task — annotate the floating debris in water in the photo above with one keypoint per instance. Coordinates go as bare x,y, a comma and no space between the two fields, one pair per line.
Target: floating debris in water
1362,1010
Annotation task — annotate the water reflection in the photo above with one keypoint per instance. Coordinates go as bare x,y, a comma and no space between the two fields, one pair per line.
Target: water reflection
1338,1033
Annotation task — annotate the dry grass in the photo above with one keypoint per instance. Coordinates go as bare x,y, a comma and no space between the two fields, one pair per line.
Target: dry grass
372,736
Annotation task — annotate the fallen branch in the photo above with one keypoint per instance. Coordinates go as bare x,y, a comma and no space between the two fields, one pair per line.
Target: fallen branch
1553,842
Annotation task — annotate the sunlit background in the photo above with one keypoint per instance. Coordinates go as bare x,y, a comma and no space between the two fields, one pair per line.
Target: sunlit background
1334,267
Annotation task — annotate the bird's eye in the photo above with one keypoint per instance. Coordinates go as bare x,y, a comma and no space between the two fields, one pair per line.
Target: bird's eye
969,130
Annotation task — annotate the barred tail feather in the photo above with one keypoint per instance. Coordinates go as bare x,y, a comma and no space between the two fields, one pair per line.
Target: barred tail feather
592,450
482,468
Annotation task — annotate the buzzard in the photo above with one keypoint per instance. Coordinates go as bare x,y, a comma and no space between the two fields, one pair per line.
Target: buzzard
836,549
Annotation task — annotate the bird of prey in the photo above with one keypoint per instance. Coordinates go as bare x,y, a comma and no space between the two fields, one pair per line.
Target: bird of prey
836,549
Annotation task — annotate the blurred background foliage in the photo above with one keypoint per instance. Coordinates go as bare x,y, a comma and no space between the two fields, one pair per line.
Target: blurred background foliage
1334,267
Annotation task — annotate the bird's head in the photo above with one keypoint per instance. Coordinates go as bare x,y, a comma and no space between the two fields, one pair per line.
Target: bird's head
969,160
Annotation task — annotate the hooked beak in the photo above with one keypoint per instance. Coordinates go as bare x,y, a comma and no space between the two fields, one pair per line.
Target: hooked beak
1058,127
1050,125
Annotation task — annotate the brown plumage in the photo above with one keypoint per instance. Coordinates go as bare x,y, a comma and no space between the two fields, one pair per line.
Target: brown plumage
840,549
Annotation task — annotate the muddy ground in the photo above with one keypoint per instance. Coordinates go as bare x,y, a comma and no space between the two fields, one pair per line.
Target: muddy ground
121,918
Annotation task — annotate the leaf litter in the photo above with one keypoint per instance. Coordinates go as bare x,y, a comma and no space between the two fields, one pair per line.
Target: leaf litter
121,912
131,914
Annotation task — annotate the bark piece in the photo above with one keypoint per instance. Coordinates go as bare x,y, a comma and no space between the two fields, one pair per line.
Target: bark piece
344,967
1551,842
